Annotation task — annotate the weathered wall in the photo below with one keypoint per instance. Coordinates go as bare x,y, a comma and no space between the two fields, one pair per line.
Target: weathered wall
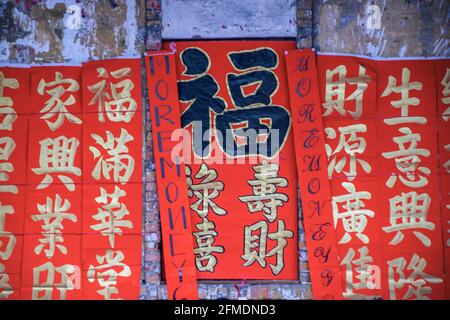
36,31
407,27
228,19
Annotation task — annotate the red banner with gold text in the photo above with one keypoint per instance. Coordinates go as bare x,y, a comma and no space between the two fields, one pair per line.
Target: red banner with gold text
381,141
70,171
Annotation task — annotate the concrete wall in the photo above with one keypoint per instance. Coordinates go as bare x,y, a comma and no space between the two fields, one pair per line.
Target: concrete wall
35,31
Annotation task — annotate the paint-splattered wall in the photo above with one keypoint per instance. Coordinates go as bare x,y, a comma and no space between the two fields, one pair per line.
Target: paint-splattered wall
45,31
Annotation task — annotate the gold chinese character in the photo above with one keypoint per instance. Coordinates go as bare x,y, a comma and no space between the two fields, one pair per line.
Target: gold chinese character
6,246
335,97
58,156
446,93
111,214
364,275
53,213
352,145
43,289
118,105
205,191
119,162
6,103
265,196
409,211
407,160
354,219
7,147
5,288
205,249
55,106
446,165
106,273
448,230
405,100
255,245
415,282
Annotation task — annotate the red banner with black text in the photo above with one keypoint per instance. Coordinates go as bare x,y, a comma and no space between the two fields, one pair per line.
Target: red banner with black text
238,149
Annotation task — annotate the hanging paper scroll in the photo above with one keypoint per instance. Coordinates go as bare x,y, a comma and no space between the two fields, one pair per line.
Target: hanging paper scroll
14,95
70,173
171,178
443,119
112,188
348,95
411,228
312,174
53,216
239,158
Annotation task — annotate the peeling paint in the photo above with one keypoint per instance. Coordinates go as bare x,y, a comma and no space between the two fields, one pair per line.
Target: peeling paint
39,33
408,28
185,19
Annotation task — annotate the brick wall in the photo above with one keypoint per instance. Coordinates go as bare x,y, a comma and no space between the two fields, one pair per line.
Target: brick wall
34,31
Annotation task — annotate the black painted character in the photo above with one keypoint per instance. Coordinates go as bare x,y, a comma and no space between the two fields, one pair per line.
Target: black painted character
255,110
238,131
201,91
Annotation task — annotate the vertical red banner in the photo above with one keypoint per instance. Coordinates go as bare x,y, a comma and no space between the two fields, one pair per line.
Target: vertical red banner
411,232
52,241
112,179
176,229
442,68
312,174
14,97
348,96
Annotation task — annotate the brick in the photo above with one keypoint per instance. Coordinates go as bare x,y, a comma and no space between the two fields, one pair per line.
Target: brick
150,176
260,292
154,279
152,257
152,227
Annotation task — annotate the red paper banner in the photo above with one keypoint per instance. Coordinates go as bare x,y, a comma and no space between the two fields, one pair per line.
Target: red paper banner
442,69
385,196
112,173
52,241
70,220
14,98
71,168
312,172
241,172
179,264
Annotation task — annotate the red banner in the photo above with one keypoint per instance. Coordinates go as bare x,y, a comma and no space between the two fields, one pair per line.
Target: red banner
14,98
442,69
52,241
385,196
312,172
376,214
112,179
176,227
68,185
241,171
